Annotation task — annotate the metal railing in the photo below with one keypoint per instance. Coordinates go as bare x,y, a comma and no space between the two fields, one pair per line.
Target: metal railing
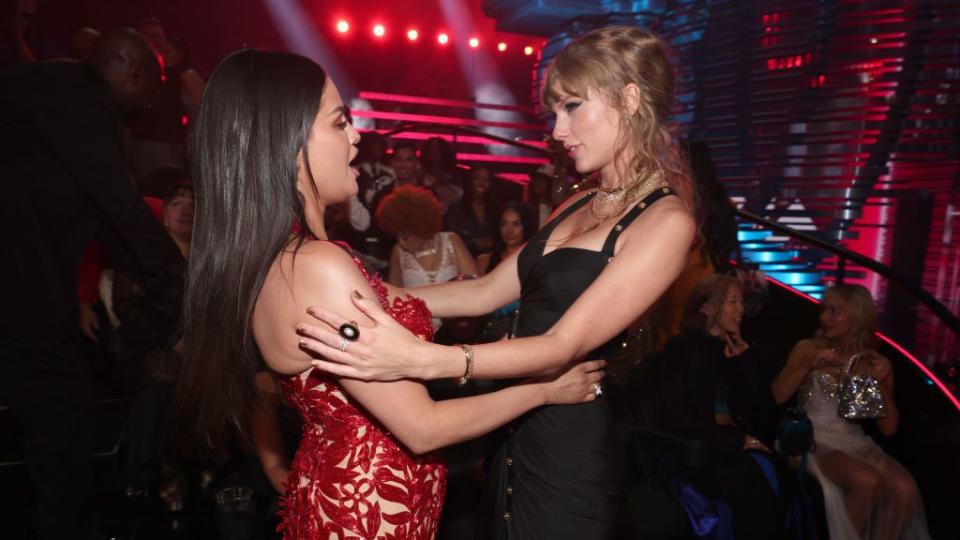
845,255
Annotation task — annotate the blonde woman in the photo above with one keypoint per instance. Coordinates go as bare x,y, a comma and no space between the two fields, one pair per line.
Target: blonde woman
601,261
867,494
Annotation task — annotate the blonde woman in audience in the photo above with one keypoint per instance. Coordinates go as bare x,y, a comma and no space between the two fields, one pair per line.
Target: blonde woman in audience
867,494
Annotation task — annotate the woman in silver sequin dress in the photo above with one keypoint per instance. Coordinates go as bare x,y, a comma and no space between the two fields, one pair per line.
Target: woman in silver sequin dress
867,494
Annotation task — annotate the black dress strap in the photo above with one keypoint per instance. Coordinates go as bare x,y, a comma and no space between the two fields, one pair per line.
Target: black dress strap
627,219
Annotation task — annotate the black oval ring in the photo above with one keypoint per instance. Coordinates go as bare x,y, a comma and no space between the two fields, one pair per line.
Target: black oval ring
349,331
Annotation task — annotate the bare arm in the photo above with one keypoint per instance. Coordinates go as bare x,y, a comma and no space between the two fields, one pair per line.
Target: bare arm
267,439
889,424
396,271
614,300
475,297
465,263
804,356
326,274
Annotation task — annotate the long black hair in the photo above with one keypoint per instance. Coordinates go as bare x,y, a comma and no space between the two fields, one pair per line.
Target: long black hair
254,119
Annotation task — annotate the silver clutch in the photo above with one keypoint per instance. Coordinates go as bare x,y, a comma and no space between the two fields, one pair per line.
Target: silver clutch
860,396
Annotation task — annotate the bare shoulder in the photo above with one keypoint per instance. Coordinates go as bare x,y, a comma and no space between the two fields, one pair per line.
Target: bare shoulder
667,216
805,348
317,272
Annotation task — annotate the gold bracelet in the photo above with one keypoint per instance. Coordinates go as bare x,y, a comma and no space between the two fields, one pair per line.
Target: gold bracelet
468,371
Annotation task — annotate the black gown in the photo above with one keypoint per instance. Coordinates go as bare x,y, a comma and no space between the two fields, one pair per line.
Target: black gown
562,471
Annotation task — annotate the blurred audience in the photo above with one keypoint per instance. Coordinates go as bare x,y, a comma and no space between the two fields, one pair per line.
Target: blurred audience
867,494
84,43
438,165
16,21
158,139
61,142
148,349
375,179
709,390
538,196
475,217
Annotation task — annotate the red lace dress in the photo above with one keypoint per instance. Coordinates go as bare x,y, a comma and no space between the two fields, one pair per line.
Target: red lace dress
350,478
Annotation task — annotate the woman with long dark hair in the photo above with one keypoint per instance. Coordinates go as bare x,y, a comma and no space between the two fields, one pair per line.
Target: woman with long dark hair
516,225
595,268
272,148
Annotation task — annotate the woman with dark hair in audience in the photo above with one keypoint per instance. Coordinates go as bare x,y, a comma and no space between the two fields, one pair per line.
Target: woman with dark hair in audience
475,218
709,389
516,226
867,494
364,466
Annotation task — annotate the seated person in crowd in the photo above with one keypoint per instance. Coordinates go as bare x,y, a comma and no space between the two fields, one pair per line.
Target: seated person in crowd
867,494
708,390
517,225
423,254
149,349
475,217
438,164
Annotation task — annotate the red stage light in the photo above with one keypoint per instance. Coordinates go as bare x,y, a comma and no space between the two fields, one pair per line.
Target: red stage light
501,46
379,30
412,35
528,50
443,39
343,26
474,42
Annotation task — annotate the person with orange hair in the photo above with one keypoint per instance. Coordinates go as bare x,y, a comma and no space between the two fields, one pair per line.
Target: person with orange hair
423,254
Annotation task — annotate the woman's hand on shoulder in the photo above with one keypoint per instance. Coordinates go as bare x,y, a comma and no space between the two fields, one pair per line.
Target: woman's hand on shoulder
387,351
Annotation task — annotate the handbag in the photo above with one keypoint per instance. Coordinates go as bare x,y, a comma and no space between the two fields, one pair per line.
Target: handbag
860,396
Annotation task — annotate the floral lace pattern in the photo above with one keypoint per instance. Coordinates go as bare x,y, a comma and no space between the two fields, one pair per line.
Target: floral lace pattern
350,478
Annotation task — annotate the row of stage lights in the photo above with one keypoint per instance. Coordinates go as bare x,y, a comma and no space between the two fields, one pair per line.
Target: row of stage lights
379,31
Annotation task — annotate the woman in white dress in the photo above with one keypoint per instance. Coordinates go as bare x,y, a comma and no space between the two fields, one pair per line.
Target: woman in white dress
867,494
423,255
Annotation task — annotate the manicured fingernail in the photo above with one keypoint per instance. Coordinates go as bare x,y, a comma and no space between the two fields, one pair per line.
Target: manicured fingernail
303,343
311,311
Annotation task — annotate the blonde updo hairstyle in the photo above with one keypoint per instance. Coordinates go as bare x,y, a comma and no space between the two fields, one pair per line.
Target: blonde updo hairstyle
606,60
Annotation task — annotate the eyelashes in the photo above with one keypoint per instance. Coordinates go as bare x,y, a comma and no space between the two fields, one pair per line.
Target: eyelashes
571,106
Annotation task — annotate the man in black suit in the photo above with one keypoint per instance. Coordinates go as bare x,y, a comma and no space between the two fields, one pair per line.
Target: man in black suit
66,181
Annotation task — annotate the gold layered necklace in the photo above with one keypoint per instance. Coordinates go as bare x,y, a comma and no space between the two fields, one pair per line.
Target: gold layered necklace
610,202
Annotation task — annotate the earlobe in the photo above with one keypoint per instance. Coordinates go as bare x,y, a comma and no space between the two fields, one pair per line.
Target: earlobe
631,98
